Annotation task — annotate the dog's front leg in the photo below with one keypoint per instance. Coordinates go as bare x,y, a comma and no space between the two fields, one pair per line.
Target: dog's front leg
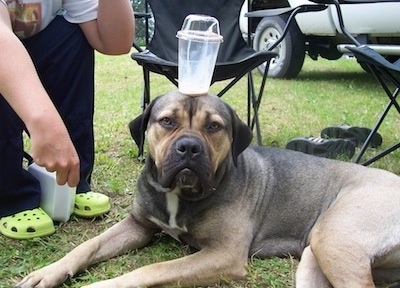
118,239
201,268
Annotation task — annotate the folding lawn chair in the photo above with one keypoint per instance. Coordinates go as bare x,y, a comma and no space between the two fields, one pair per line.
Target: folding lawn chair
387,73
235,59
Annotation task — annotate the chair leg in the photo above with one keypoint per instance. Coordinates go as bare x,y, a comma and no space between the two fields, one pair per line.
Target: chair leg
252,102
382,154
373,131
145,102
253,105
146,89
261,90
379,75
256,102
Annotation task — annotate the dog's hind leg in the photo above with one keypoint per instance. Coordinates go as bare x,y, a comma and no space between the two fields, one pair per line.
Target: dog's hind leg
343,261
309,274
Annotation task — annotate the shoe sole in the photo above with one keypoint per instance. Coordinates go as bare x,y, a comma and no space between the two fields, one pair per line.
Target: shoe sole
328,148
92,213
354,133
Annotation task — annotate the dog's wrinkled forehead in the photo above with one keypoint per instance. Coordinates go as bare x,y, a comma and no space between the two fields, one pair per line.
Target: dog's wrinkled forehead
186,107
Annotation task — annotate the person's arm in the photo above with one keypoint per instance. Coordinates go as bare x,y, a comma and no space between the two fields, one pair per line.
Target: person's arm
51,146
113,31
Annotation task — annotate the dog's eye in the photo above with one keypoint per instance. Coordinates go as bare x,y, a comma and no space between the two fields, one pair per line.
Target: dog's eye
166,122
214,127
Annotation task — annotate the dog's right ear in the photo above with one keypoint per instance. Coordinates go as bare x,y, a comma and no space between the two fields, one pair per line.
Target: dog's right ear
138,127
241,135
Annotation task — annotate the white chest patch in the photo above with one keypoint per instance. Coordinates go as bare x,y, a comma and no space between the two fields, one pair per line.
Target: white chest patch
172,228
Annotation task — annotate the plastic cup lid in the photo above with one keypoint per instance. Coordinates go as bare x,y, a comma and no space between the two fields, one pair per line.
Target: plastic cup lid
203,36
197,27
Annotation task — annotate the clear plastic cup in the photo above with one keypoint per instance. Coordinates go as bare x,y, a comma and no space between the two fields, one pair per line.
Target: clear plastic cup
199,41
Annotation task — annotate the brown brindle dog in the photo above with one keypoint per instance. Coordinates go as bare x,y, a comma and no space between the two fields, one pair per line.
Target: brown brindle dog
202,185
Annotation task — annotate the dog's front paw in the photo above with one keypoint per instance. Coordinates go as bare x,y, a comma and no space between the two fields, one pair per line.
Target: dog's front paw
47,277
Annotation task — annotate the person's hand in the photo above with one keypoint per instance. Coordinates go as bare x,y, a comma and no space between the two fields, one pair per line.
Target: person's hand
52,148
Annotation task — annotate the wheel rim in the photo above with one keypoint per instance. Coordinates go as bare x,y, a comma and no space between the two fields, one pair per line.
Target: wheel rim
267,39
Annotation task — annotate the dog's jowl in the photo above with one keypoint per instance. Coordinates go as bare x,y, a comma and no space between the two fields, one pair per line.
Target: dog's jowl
205,186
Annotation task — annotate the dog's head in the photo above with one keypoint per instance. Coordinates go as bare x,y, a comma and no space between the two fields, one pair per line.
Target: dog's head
190,140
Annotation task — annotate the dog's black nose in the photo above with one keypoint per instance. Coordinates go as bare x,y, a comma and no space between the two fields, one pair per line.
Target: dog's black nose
188,148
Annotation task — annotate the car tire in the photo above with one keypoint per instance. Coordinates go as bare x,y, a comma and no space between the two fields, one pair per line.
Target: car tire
291,51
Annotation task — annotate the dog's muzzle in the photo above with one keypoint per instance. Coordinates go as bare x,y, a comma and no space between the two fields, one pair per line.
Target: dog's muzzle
187,167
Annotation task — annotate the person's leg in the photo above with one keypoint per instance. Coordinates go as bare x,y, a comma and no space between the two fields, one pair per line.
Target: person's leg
19,190
20,214
65,62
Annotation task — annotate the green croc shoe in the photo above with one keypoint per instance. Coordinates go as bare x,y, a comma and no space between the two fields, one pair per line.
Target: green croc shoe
91,204
27,224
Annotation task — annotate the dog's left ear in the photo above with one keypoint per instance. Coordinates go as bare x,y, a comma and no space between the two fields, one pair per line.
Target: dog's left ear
241,135
138,127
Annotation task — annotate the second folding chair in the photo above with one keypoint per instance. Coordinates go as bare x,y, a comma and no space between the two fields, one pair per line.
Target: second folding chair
387,74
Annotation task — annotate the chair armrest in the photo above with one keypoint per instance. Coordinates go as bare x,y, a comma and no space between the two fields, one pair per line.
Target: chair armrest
268,12
292,12
351,1
366,54
383,49
280,11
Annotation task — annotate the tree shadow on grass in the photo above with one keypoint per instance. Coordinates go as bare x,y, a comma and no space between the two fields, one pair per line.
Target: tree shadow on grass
355,79
356,76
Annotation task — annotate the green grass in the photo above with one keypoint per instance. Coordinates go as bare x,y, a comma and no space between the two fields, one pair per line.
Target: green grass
325,93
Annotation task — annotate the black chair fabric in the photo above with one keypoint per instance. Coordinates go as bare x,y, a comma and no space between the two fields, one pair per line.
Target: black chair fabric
235,59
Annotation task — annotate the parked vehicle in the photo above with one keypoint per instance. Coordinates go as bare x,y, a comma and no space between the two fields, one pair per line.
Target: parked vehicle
317,34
